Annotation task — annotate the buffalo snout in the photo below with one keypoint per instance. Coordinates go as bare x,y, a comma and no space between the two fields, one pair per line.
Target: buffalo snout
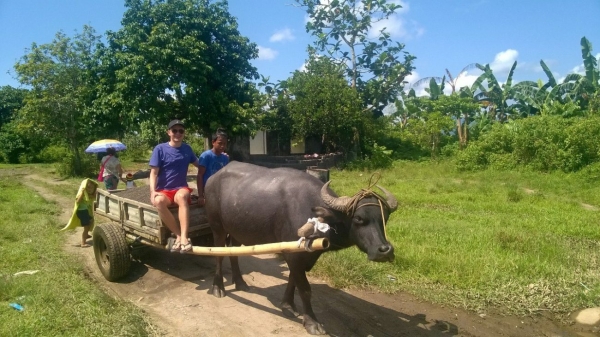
384,253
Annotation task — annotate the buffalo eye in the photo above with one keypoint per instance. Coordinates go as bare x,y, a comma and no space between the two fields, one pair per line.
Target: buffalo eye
358,220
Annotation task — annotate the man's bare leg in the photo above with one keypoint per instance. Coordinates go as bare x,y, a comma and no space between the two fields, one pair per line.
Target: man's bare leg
162,206
181,199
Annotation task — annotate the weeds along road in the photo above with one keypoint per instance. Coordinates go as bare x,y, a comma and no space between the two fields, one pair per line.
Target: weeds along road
174,290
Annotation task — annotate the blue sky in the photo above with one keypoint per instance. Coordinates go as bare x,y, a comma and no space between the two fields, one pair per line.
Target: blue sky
442,34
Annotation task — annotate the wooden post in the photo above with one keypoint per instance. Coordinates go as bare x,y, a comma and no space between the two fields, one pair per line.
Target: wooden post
322,174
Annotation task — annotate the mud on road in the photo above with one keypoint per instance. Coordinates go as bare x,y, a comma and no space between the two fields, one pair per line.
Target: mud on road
174,290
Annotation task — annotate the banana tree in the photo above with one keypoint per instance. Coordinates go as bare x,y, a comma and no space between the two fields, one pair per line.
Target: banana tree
579,88
435,90
533,96
451,81
496,96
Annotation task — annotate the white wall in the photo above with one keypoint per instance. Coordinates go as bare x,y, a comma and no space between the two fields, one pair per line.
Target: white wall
258,144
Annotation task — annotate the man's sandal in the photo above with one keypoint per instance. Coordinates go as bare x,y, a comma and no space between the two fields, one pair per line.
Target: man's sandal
186,247
176,246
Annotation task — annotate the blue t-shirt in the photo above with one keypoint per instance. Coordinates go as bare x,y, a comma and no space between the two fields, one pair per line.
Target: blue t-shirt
173,164
212,162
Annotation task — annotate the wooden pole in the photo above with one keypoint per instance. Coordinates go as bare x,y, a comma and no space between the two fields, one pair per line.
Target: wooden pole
269,248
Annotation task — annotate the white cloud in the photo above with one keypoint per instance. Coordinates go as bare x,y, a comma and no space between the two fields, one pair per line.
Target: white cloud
504,60
412,79
265,53
302,67
580,69
397,26
463,80
393,25
282,35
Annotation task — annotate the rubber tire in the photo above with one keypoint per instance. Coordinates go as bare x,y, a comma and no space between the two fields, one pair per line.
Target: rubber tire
111,251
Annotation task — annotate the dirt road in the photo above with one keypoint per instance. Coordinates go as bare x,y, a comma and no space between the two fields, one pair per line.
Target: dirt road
173,289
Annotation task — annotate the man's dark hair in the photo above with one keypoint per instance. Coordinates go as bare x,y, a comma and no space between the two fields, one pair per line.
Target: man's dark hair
219,133
111,150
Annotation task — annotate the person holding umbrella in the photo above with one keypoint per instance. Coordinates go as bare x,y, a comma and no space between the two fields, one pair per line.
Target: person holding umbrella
111,169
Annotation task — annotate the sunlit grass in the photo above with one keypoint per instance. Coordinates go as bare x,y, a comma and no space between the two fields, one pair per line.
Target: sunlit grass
58,300
518,242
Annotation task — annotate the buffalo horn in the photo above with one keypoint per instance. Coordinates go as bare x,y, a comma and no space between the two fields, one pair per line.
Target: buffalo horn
337,203
390,199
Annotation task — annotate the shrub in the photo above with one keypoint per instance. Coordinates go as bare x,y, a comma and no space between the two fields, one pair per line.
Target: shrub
13,145
67,165
541,143
137,149
379,158
472,158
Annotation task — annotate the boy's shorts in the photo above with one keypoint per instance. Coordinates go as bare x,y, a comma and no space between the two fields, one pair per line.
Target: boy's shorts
84,217
170,194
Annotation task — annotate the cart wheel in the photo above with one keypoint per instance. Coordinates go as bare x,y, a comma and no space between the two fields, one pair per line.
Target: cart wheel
111,251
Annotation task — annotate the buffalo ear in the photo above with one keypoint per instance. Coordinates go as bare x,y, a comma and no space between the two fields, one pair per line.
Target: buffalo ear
322,211
325,213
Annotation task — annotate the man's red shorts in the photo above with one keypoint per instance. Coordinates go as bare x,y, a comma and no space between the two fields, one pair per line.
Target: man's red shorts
171,194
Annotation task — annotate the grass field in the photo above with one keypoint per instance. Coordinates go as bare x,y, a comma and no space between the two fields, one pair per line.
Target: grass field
508,242
59,299
515,243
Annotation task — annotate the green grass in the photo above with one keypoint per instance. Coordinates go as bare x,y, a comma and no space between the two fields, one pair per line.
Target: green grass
517,243
508,242
59,300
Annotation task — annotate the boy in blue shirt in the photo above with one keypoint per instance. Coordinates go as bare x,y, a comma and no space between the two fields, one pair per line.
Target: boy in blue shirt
212,161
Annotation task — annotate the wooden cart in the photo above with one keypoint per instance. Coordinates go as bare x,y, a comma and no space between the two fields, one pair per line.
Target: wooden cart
134,222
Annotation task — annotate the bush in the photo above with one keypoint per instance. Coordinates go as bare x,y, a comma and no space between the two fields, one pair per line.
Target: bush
379,158
52,154
541,143
196,142
12,147
66,162
472,158
137,149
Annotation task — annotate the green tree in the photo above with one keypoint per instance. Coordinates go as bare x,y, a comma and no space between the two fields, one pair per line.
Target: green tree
57,107
11,100
179,58
375,67
324,106
275,115
430,131
461,110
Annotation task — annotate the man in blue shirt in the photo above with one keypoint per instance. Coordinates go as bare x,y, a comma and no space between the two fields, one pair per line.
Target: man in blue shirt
212,161
168,184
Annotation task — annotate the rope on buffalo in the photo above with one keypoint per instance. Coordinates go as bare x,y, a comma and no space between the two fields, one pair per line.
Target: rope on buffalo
366,193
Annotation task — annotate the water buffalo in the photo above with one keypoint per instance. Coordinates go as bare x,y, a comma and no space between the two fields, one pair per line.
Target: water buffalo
257,205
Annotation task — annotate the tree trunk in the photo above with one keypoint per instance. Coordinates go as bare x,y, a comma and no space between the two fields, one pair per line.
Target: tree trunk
460,135
465,131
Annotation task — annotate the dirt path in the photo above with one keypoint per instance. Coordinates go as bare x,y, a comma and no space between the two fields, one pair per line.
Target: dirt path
173,290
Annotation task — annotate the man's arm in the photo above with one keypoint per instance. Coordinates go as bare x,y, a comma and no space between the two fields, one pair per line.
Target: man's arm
153,179
120,170
200,184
